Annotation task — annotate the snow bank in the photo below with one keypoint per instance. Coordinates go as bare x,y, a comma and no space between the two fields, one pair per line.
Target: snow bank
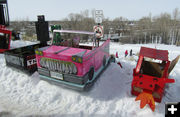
24,95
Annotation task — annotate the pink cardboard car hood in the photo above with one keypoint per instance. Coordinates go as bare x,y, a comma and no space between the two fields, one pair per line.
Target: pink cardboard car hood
65,51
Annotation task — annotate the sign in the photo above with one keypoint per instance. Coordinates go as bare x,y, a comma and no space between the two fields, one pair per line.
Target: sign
31,62
99,12
98,16
98,19
14,60
99,31
56,75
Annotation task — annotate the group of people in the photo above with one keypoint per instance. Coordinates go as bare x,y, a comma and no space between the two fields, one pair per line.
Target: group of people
130,53
126,53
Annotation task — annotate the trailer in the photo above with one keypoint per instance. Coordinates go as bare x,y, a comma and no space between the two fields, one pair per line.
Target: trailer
23,58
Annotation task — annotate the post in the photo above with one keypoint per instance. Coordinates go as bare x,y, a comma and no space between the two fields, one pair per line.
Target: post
4,13
98,29
98,39
42,30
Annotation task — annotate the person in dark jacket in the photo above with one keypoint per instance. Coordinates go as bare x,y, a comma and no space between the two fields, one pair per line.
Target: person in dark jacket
130,52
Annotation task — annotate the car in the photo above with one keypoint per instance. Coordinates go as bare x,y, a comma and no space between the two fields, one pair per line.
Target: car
70,63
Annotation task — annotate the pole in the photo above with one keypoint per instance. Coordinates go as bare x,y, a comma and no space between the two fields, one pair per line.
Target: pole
98,39
7,14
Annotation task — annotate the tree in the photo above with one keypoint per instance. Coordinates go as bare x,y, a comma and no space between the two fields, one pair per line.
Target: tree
162,25
175,26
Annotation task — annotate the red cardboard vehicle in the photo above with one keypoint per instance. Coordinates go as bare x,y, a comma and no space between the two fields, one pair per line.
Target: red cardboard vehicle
5,38
151,75
5,34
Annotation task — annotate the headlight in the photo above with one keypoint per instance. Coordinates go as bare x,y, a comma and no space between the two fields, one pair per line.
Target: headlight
77,59
73,58
137,89
156,95
39,53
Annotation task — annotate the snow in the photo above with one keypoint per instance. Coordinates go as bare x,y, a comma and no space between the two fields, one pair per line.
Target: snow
23,95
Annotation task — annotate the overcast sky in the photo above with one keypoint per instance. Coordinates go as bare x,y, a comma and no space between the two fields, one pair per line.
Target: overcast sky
59,9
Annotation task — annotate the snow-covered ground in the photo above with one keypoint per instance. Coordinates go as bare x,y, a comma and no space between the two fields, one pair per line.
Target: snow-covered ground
23,95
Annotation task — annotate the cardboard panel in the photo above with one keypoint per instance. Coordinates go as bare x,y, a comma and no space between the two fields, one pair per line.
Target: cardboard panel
173,63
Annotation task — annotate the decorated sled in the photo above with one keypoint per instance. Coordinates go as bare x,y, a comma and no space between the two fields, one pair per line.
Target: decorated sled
72,64
151,75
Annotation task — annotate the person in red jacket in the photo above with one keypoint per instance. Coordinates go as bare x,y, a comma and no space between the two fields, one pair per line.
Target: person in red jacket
126,53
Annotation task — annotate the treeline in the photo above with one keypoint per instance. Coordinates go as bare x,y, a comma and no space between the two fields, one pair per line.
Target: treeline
163,28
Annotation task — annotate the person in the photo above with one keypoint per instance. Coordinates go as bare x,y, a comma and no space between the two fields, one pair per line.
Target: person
126,53
130,52
117,55
117,60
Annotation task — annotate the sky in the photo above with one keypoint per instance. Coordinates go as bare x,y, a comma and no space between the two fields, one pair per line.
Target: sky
60,9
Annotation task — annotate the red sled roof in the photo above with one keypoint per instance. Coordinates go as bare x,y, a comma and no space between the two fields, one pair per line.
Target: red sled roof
154,53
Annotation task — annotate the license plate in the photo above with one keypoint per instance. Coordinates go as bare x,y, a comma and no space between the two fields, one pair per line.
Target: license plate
56,75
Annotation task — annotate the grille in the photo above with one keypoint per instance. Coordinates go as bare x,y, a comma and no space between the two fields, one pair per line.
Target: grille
57,65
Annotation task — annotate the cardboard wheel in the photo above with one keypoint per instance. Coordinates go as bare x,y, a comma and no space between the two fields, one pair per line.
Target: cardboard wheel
91,73
104,61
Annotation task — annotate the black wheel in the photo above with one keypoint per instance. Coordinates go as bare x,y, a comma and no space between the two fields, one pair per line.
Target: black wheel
91,74
104,61
88,86
112,59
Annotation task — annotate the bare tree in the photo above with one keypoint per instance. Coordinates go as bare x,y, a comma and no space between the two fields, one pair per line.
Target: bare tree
175,26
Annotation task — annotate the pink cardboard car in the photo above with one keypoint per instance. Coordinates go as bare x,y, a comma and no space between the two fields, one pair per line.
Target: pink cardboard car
72,64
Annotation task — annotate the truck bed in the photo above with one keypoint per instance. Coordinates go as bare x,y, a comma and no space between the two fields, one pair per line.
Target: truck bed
22,58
